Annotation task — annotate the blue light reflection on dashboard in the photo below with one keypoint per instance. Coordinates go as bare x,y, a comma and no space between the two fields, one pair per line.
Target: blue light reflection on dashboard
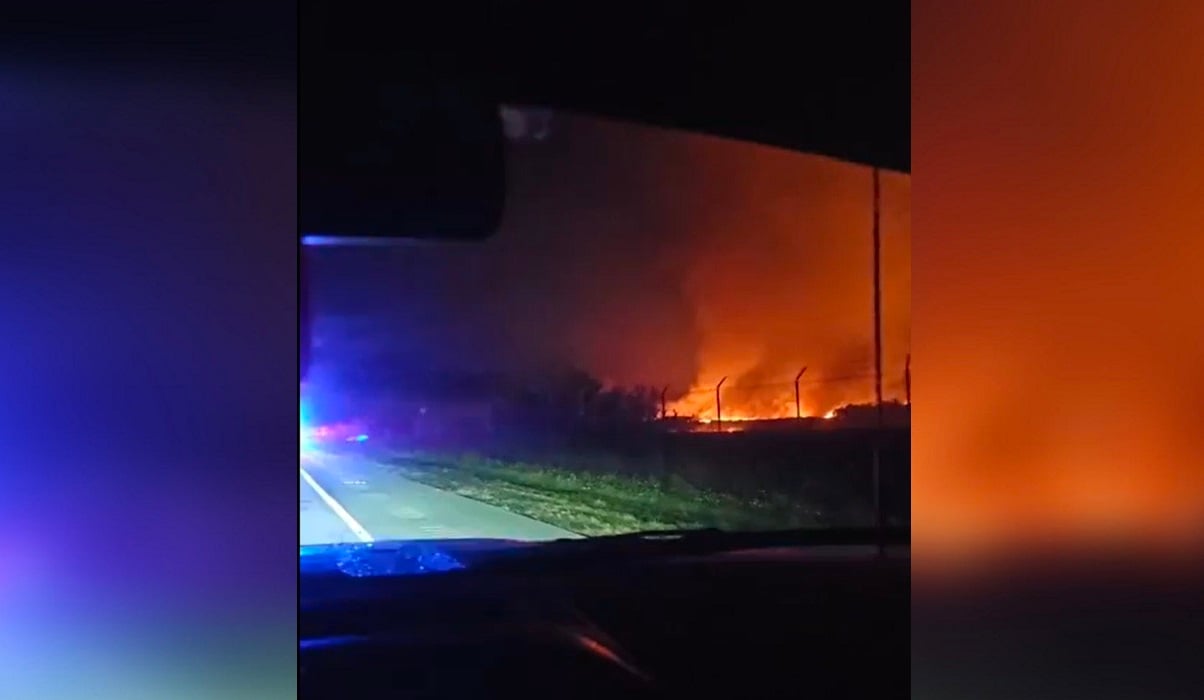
377,559
324,642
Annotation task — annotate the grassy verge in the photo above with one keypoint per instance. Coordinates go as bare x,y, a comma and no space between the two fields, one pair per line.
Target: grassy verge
592,503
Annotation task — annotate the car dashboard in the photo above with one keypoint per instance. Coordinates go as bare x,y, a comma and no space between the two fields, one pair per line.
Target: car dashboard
771,623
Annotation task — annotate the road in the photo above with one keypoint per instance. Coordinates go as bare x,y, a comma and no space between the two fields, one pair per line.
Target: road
356,499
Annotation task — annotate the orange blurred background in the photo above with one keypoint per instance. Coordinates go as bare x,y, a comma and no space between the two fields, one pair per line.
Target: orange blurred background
1058,274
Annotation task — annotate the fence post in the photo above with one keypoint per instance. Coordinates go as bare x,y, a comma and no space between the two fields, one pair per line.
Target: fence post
719,405
798,405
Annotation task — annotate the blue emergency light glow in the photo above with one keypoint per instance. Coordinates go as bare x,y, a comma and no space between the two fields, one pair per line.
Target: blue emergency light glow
306,431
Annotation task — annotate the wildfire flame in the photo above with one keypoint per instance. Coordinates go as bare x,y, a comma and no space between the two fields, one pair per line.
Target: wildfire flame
742,406
707,415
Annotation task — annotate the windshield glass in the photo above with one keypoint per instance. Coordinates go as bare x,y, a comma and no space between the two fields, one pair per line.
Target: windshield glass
670,331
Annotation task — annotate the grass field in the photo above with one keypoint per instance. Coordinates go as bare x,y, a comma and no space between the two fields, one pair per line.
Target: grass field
592,503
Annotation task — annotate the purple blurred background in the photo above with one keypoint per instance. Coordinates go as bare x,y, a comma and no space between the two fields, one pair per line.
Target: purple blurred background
148,367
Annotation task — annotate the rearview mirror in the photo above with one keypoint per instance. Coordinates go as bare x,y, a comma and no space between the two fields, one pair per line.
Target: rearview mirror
387,158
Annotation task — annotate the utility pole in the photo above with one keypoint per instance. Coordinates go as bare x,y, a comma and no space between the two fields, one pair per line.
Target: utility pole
664,413
877,298
798,404
719,405
879,520
907,381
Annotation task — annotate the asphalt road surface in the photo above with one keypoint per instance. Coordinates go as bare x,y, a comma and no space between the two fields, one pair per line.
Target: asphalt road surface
356,499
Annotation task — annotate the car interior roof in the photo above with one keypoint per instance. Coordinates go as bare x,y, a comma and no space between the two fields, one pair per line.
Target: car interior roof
826,78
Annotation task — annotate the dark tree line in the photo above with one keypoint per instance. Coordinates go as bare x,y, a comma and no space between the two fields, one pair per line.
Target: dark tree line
574,399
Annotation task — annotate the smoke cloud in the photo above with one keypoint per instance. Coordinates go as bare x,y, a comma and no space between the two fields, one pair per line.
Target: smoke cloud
645,256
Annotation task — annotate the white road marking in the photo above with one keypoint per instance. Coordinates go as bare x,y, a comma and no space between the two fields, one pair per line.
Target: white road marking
348,519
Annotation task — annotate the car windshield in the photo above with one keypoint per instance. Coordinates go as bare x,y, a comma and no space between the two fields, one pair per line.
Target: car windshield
670,331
